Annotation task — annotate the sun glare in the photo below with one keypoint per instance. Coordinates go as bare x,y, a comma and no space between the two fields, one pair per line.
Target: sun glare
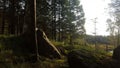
96,9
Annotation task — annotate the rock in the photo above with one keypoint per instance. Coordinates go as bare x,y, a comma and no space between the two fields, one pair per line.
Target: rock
62,50
116,53
45,47
78,59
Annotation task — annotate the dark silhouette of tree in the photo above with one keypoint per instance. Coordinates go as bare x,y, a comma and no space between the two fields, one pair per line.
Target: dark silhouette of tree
115,6
30,33
12,11
3,17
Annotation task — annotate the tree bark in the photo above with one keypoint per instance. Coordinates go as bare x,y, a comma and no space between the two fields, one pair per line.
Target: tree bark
3,18
30,35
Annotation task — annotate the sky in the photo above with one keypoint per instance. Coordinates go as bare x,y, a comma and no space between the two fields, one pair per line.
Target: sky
96,9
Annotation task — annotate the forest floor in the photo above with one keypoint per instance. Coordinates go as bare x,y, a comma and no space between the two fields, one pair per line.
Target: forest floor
9,60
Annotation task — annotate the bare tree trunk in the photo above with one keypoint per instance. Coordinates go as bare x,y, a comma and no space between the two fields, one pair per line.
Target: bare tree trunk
12,18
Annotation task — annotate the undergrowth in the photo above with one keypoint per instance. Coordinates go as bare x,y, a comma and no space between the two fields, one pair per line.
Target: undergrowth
11,55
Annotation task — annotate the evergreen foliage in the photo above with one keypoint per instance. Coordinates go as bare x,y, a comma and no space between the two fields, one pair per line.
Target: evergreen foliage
63,19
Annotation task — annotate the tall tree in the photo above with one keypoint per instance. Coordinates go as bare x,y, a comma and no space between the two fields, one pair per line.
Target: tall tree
95,32
3,17
61,18
30,34
111,29
115,6
12,17
74,18
20,14
12,9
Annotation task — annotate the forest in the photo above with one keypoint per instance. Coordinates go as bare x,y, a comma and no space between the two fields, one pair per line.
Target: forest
52,34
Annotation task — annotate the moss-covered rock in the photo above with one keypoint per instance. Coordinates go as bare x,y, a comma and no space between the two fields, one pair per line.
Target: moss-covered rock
85,58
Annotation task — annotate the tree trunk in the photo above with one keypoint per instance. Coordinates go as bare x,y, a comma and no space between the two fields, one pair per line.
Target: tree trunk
3,19
30,33
12,18
35,39
3,22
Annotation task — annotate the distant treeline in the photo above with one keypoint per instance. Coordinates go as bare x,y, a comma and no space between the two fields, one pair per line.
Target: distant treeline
98,39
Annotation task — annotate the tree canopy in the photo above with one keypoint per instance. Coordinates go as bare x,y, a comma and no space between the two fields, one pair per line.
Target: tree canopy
63,19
